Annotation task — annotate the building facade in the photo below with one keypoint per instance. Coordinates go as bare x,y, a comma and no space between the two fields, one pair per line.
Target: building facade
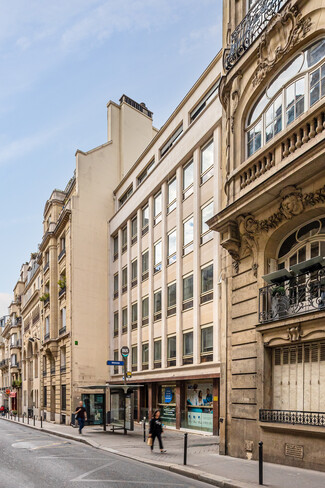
164,268
271,226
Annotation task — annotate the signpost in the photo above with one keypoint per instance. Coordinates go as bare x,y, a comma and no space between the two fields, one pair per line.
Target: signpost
125,352
8,391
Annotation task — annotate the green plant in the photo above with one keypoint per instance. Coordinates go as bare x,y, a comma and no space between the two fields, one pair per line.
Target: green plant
62,283
44,297
278,291
14,412
16,383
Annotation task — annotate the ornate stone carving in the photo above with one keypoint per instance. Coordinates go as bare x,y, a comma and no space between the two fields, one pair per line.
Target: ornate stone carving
248,230
283,32
235,97
291,204
294,333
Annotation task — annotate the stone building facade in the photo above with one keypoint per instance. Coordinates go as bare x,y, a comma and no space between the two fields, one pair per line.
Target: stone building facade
271,227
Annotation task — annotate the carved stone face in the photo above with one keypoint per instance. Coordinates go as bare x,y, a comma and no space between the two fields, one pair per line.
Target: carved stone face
292,205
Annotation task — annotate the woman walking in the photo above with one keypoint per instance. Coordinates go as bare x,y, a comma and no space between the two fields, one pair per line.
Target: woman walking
156,430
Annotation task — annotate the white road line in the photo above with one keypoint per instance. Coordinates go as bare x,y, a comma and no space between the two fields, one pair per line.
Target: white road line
158,483
71,457
82,476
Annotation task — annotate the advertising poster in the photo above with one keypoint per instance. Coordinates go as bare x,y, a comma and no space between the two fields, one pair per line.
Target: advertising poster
199,402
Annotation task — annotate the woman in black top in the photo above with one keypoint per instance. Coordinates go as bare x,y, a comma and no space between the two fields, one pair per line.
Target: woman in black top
156,430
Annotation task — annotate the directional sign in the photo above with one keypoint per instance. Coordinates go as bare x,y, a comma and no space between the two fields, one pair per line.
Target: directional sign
125,351
115,363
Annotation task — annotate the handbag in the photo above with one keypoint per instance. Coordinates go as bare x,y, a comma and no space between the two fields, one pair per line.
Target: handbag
149,441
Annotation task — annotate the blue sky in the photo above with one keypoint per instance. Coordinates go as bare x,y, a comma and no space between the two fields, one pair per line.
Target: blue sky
61,62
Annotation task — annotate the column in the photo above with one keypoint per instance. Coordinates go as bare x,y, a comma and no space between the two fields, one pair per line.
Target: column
196,259
179,267
164,277
216,243
151,261
129,268
139,290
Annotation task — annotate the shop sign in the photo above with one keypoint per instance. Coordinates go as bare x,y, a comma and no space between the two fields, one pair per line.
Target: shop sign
168,413
12,394
168,395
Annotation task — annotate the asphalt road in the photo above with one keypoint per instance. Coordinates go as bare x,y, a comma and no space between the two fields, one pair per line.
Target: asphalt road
33,459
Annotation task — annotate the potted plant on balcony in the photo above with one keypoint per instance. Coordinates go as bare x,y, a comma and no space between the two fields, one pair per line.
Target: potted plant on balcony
62,283
44,298
280,302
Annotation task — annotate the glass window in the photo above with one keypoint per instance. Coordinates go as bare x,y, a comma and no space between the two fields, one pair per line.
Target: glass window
126,196
145,262
115,247
157,350
157,256
315,53
317,84
206,214
171,192
206,339
171,295
115,324
134,312
124,276
116,359
134,355
188,235
188,344
142,176
145,353
47,325
295,100
134,227
207,161
63,317
187,288
157,208
207,278
254,139
188,178
157,301
171,247
145,307
205,101
124,320
145,216
115,285
171,141
134,269
171,347
273,119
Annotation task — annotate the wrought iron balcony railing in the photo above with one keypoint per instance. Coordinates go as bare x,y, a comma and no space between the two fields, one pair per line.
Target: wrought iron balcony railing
293,417
253,24
300,294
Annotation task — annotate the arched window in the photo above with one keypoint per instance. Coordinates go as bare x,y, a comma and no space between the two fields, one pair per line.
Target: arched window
298,86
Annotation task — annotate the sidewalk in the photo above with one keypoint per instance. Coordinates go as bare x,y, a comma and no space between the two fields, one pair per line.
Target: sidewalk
203,460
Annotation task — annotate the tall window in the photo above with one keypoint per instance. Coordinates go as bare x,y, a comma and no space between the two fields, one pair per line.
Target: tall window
47,327
125,196
157,256
116,359
134,355
124,239
124,279
295,98
145,311
134,230
171,247
145,356
207,283
45,396
63,397
188,347
145,220
134,315
171,351
157,354
188,292
188,235
142,176
317,84
134,273
145,265
116,285
171,141
171,299
115,246
63,320
205,101
157,208
157,305
206,343
207,161
171,195
124,320
206,214
63,358
188,178
115,324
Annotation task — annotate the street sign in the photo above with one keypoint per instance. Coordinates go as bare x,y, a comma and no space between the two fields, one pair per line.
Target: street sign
115,363
125,351
129,374
8,391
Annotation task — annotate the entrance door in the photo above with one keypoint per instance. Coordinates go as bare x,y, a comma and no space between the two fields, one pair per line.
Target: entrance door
53,403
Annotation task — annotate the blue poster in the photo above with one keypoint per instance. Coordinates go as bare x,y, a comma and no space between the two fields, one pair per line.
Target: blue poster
168,395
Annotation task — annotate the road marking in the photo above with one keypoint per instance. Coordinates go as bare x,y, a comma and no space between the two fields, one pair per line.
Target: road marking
53,444
82,476
149,482
71,457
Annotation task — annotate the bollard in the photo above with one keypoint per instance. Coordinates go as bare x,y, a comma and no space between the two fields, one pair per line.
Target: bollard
28,419
41,422
260,463
144,429
185,448
18,417
23,417
34,420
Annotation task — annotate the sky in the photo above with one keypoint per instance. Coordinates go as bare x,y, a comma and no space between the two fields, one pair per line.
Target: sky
61,62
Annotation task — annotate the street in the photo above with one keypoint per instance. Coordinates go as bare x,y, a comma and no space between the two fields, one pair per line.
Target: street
32,459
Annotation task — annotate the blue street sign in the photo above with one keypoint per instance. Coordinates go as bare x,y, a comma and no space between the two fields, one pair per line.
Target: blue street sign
115,363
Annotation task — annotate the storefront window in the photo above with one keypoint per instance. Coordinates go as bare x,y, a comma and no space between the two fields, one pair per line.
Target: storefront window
167,404
94,404
199,406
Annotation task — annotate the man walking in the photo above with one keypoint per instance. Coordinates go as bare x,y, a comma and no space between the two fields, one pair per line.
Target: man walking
81,416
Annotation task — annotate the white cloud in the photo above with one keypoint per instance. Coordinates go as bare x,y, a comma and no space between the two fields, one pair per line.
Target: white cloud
5,299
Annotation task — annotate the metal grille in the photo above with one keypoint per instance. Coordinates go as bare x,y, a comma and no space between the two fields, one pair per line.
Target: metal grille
293,417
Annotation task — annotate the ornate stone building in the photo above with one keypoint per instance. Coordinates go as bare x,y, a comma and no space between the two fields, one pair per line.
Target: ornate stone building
272,227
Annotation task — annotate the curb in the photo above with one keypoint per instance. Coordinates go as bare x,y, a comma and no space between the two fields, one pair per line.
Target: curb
174,468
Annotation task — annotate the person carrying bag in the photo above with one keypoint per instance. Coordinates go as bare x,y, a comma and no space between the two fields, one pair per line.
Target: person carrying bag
155,430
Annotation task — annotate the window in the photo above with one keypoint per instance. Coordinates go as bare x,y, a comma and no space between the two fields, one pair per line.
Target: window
188,348
115,245
124,279
206,343
14,360
45,396
207,283
145,265
171,141
157,256
295,100
63,397
157,305
134,355
206,214
187,292
115,324
124,320
142,176
134,273
171,299
157,206
62,244
145,356
125,196
205,101
63,359
207,161
47,327
171,351
145,220
134,315
188,235
145,311
157,354
124,239
171,195
63,314
134,230
116,359
171,247
317,84
188,178
116,285
273,119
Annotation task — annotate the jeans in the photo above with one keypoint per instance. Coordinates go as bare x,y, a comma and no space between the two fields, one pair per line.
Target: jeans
159,440
81,423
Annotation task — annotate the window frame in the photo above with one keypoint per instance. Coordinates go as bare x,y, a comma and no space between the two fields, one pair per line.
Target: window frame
187,303
157,313
205,236
145,364
124,320
171,257
157,264
134,322
157,217
145,318
206,174
171,204
145,272
206,295
171,141
188,190
171,308
188,246
116,324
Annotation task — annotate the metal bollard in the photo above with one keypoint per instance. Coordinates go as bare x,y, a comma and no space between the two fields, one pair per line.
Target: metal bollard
23,416
144,429
41,422
28,419
34,420
18,417
260,463
185,448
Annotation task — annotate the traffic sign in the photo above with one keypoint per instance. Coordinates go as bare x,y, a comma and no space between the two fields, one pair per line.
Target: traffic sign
125,351
115,363
129,374
8,391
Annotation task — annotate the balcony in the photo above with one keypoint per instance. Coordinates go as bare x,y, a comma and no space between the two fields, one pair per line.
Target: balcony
62,330
250,28
46,267
4,363
62,253
46,337
295,296
16,344
292,417
62,291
